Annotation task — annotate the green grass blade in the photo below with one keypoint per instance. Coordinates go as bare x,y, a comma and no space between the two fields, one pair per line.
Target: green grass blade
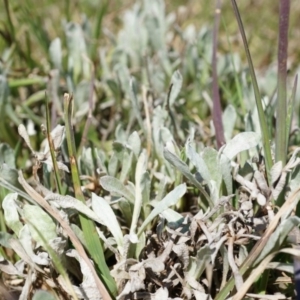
184,169
261,114
90,234
281,137
236,77
14,83
9,19
52,150
98,26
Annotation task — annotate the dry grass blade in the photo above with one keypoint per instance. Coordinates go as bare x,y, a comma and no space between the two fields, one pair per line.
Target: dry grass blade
266,297
55,214
242,290
259,270
290,203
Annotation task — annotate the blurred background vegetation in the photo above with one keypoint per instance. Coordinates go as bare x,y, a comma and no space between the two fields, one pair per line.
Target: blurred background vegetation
28,29
33,25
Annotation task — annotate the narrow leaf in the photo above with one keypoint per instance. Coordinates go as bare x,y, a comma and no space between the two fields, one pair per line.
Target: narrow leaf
229,119
41,220
70,202
134,142
241,142
104,211
140,169
7,155
278,236
290,109
11,215
115,186
211,159
183,168
43,295
9,180
171,199
198,162
261,113
56,53
176,83
197,264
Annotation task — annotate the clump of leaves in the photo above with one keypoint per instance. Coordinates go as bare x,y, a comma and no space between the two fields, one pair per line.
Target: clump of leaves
159,238
143,216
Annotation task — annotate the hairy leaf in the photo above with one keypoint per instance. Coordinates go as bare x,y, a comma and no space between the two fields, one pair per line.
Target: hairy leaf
11,215
169,200
115,186
104,211
37,218
241,142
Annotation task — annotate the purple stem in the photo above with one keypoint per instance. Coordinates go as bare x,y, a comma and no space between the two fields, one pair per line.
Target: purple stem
281,138
216,111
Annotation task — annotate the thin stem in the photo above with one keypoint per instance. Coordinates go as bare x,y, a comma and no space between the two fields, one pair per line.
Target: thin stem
217,111
236,77
90,234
